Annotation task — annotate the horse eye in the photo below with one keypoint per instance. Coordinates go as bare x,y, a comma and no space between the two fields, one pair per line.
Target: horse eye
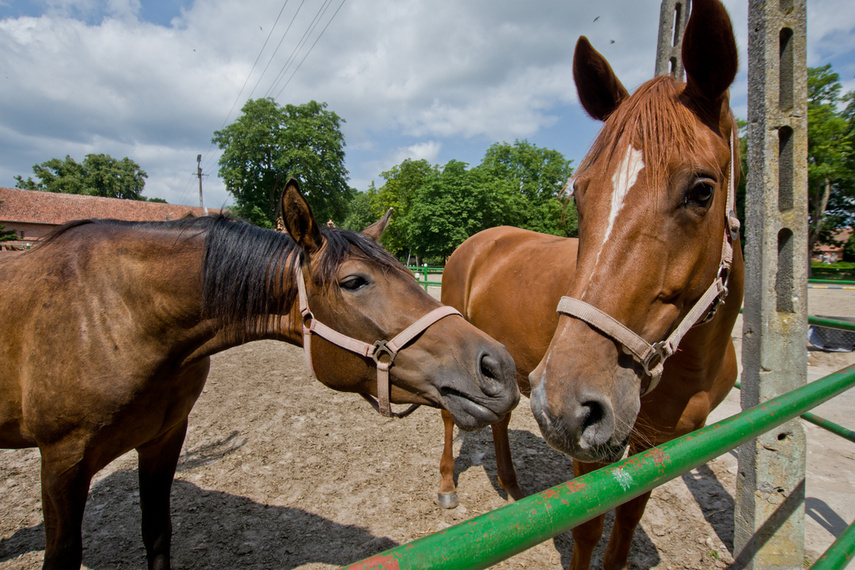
700,193
353,282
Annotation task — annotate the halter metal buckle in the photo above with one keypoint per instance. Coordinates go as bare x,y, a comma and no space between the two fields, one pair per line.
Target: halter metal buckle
658,355
733,225
380,349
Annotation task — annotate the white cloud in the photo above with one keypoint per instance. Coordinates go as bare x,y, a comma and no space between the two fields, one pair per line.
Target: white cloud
426,77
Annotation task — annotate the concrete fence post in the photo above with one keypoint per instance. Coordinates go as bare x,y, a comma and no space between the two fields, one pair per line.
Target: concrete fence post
769,512
673,16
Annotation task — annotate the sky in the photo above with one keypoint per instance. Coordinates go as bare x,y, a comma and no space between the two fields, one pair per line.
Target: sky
419,79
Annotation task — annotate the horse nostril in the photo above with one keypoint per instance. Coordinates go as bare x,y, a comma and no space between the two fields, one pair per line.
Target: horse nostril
597,424
491,372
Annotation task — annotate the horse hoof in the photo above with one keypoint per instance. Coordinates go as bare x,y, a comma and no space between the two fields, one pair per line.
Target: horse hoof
447,500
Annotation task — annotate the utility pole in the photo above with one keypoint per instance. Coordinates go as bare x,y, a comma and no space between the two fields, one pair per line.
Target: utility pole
673,16
202,208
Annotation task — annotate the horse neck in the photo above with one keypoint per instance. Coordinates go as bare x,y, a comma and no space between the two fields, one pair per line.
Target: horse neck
161,278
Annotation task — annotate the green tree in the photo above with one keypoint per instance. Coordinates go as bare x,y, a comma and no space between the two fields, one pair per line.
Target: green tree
399,191
831,155
539,175
359,213
270,143
98,175
7,235
455,205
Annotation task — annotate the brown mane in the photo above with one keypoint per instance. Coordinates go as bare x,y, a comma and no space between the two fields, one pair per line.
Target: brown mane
654,120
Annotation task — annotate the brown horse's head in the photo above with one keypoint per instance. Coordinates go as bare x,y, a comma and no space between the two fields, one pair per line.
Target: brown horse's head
359,290
652,198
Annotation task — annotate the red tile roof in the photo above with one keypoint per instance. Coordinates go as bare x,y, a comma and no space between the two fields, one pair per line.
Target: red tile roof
35,207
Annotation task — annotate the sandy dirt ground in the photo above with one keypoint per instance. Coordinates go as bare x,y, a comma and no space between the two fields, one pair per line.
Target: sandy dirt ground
281,472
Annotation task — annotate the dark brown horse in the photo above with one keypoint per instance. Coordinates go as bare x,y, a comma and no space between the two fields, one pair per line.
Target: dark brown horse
657,266
106,331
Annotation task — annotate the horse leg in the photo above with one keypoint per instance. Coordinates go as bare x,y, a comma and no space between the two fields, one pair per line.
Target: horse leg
447,496
586,535
157,461
504,461
65,486
627,517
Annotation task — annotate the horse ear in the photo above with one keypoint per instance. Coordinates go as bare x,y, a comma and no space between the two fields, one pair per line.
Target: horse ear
599,89
375,230
298,218
710,58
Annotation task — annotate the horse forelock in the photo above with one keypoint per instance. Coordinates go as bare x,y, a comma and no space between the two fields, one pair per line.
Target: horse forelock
653,121
340,244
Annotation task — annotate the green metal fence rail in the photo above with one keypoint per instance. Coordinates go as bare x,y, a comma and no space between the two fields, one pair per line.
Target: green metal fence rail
823,423
495,536
832,272
422,271
832,323
840,553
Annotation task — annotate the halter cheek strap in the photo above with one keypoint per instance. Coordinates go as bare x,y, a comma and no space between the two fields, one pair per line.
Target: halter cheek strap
652,356
383,352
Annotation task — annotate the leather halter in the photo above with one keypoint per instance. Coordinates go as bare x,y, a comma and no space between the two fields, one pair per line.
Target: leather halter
383,352
652,356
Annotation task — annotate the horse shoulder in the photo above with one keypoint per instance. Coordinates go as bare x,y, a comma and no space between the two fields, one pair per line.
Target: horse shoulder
508,282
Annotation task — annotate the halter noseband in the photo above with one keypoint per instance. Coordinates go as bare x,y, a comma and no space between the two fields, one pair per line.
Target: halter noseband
652,356
383,352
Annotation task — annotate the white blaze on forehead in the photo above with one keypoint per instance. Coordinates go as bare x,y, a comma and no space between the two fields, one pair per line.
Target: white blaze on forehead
623,179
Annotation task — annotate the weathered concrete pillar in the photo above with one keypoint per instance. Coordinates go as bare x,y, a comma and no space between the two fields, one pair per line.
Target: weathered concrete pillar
769,525
673,16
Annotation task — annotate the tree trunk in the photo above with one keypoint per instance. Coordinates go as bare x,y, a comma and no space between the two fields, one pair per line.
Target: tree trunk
818,213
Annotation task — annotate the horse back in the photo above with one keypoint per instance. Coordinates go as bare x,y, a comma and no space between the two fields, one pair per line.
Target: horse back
85,320
507,282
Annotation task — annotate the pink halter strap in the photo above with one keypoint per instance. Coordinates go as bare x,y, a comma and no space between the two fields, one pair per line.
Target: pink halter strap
383,352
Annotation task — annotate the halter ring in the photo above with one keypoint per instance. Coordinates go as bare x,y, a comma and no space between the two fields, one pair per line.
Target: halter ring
380,349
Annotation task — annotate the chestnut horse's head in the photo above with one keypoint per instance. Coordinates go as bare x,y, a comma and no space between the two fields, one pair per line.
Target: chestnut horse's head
655,236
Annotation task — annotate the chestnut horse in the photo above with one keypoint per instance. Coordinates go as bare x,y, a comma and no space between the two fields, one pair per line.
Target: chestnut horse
106,330
657,265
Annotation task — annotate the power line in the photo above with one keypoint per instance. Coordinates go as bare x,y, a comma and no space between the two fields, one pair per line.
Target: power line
311,48
288,64
258,57
302,42
282,39
252,69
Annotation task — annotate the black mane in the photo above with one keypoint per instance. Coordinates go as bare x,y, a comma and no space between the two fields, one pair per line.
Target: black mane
246,267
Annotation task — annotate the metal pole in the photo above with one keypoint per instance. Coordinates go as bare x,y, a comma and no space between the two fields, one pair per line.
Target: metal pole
495,536
673,16
769,513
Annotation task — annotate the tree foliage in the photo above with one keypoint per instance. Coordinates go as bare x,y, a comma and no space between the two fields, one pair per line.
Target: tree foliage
831,155
98,175
437,208
7,235
270,143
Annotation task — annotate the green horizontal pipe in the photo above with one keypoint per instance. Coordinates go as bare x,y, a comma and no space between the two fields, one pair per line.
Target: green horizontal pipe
832,323
840,553
830,426
820,421
832,281
492,537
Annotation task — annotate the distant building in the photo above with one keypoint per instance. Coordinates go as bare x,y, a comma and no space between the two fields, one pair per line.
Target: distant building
32,214
825,252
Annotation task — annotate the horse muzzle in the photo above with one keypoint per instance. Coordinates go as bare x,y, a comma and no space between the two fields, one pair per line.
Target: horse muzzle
493,395
582,421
